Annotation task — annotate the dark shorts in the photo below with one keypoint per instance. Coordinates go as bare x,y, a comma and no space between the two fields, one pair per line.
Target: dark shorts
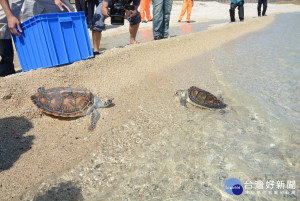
98,20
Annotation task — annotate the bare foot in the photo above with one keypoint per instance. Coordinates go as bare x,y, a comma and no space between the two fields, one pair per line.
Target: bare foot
133,42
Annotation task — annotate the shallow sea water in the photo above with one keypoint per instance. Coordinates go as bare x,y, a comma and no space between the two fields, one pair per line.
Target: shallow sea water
268,68
168,152
258,76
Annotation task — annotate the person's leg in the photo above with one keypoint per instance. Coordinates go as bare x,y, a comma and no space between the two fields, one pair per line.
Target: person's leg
97,27
157,18
96,2
183,10
189,11
264,7
7,57
259,7
85,9
147,10
81,5
91,10
232,12
167,13
241,10
142,10
6,46
96,35
133,31
78,5
133,27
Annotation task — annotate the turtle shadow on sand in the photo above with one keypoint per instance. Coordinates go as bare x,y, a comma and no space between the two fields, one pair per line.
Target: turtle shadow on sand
69,118
65,191
61,118
191,21
13,143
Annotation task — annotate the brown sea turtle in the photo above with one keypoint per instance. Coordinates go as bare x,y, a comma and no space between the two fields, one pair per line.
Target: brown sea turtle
200,98
70,102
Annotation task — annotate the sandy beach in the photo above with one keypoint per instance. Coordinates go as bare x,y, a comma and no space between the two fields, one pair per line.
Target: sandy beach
44,157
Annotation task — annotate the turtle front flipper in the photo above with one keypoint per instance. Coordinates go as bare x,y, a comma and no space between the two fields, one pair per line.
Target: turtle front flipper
183,102
95,117
183,96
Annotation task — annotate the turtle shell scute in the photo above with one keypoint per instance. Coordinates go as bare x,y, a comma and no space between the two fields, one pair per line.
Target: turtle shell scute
205,99
64,102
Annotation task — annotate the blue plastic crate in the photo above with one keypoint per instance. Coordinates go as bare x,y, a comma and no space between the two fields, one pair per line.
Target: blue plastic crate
53,39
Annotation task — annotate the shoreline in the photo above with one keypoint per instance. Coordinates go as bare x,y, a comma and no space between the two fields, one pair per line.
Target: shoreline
54,149
202,12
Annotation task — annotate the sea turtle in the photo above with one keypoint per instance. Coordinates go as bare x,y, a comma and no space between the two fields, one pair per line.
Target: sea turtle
200,98
70,102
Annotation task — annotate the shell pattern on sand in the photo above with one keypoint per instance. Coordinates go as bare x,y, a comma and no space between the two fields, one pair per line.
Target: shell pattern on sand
204,98
63,102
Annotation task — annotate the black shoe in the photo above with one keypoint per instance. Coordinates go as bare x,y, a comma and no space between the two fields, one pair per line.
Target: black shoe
157,37
179,20
187,21
264,15
6,69
144,21
96,53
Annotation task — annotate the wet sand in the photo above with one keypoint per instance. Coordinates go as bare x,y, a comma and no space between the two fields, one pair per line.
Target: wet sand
48,154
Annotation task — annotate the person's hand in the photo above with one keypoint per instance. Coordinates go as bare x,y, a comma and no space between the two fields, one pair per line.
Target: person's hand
61,5
13,22
130,13
105,9
133,13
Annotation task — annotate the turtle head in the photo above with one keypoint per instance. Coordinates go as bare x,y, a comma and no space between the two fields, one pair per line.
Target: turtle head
103,101
41,89
181,93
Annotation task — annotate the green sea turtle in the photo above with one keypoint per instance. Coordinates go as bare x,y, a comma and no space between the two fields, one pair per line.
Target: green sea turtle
200,98
70,102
